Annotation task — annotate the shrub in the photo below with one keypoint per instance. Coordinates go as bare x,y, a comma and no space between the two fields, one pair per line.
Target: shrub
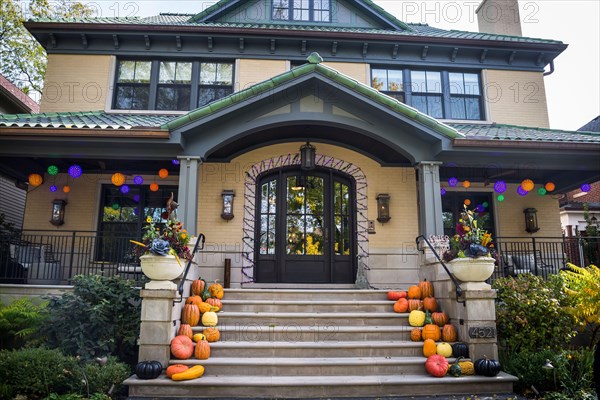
574,371
107,378
530,314
527,366
100,317
19,323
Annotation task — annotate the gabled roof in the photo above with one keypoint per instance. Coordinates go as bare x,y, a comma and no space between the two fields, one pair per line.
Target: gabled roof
17,97
592,126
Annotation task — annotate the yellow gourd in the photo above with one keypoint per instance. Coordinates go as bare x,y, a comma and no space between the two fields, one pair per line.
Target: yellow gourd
195,372
416,318
444,349
210,319
204,307
198,337
467,367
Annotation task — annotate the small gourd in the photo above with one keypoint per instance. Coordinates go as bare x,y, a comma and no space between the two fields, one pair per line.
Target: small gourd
467,367
215,303
212,334
198,337
429,348
444,349
202,351
401,305
395,296
414,292
455,369
449,333
175,369
216,290
192,373
430,304
198,287
415,335
186,330
460,349
210,319
426,288
416,318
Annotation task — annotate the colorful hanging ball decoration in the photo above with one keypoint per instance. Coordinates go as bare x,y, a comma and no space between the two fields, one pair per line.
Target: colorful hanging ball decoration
586,187
521,191
452,182
66,188
154,187
52,170
116,206
163,173
138,180
550,186
136,198
443,191
53,188
500,187
466,184
542,191
75,171
480,208
124,189
527,184
35,180
467,202
500,198
118,179
485,204
175,161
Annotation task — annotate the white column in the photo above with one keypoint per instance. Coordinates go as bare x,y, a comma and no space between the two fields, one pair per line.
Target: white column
430,199
187,212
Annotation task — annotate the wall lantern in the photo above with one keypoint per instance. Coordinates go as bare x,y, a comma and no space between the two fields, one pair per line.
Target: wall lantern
531,224
383,208
308,154
228,196
300,183
58,212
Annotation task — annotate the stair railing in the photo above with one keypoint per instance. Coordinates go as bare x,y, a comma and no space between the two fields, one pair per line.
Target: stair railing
458,289
201,240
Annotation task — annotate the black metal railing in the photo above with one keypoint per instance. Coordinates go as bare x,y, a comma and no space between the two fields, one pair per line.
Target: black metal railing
435,253
55,257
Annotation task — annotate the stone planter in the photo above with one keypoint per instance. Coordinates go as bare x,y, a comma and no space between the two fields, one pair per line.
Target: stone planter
473,271
161,270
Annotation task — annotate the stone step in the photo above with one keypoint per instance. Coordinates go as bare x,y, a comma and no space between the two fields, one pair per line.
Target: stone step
304,294
309,333
299,386
310,366
324,319
307,305
317,349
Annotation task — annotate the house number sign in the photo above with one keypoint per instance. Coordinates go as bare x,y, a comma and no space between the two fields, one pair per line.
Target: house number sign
483,332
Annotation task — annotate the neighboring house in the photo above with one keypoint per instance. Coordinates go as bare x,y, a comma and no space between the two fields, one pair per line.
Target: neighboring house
224,99
12,192
592,126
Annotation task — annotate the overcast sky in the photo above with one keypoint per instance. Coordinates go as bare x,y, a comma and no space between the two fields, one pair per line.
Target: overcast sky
573,90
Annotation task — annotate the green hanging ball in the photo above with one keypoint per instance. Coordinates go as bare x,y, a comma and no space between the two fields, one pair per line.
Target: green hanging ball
485,204
52,170
542,191
115,206
500,198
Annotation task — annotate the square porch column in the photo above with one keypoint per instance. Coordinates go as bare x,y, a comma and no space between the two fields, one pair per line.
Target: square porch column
187,212
430,198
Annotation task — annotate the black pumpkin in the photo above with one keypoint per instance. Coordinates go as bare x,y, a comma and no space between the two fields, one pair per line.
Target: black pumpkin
486,367
148,369
460,349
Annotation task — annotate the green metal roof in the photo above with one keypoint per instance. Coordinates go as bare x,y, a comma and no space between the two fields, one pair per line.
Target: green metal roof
523,133
83,120
414,30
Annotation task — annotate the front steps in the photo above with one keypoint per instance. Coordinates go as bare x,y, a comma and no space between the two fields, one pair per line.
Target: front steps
290,343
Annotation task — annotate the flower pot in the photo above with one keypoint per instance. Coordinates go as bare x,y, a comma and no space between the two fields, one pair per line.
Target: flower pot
472,269
161,270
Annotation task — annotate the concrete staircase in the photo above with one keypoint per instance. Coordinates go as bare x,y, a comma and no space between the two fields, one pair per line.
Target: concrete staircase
288,343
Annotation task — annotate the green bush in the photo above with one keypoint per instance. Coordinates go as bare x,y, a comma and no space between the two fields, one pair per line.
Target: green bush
107,378
100,317
20,323
530,314
574,371
527,366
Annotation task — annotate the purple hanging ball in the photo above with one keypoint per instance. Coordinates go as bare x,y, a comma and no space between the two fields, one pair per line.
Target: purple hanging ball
500,187
53,188
443,191
138,180
586,187
136,198
75,171
124,189
521,191
175,161
452,182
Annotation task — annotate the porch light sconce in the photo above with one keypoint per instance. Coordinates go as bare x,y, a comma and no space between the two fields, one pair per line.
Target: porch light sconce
228,196
308,155
57,217
531,224
383,208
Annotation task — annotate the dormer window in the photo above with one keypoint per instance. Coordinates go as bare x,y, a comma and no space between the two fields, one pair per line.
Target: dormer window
302,10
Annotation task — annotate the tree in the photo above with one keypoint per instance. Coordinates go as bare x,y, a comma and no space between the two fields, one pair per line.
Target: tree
23,58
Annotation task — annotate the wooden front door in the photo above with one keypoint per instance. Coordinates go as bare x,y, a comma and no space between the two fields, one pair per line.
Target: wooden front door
305,230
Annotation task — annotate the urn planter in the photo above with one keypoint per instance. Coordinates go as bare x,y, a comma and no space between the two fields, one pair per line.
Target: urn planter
161,270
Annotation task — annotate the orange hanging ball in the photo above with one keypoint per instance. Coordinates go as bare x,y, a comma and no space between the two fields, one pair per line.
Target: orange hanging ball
118,179
527,184
35,179
163,173
154,187
467,184
467,202
550,186
66,188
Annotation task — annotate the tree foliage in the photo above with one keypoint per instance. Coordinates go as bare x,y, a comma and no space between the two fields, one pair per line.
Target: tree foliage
583,286
23,58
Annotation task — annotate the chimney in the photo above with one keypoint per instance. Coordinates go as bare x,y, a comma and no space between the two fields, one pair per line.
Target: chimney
499,17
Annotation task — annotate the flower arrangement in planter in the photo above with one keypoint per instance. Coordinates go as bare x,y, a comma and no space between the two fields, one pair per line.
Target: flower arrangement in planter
171,239
470,240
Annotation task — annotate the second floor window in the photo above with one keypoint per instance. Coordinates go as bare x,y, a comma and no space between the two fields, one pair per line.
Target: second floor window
170,85
302,10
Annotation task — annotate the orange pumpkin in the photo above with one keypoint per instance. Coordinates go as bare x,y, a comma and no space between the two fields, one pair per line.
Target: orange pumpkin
216,290
190,314
198,287
430,304
432,331
415,335
415,304
215,303
175,369
182,347
212,334
202,351
426,288
197,300
449,333
204,307
429,348
396,295
401,306
414,292
439,318
185,330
